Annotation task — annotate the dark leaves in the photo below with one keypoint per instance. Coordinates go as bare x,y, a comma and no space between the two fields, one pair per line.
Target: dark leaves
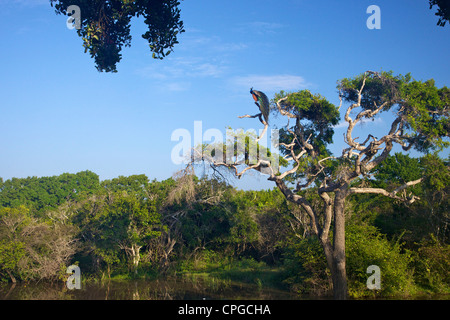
105,27
443,11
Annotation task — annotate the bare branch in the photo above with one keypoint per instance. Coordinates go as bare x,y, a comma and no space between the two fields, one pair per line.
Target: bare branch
392,194
340,100
290,196
408,184
259,115
282,110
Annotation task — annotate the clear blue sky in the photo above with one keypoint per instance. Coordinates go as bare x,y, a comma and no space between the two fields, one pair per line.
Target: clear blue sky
59,114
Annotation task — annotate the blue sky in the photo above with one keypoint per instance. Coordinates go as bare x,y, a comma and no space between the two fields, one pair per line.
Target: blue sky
59,114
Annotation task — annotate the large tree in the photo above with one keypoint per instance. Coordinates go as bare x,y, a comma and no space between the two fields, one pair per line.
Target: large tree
105,26
44,193
421,121
112,223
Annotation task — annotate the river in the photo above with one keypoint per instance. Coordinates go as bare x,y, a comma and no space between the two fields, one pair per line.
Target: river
161,289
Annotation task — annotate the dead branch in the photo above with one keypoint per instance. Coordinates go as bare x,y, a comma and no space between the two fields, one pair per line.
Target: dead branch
409,200
259,115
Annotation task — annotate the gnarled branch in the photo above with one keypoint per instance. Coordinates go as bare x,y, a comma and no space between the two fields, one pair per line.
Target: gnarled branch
393,194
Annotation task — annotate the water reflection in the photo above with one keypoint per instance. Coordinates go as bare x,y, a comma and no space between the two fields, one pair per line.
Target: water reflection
166,289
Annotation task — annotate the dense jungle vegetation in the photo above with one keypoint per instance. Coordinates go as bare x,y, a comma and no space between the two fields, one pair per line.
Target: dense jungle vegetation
131,227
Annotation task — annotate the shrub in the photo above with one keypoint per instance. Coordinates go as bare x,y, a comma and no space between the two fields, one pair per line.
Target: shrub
365,246
306,267
432,266
308,274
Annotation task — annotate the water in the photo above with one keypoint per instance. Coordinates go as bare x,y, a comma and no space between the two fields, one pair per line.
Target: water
165,289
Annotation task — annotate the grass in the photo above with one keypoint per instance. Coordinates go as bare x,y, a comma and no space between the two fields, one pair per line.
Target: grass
244,270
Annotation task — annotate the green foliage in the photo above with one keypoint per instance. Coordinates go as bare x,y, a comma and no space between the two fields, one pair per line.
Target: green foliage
378,89
105,27
241,147
398,169
31,249
422,106
249,270
213,264
134,184
200,227
427,215
436,172
312,107
47,192
317,114
116,226
201,261
426,109
365,246
127,220
432,266
10,255
306,267
226,233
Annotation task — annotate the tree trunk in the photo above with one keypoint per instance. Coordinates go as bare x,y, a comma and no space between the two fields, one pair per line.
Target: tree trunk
328,251
11,276
135,256
338,272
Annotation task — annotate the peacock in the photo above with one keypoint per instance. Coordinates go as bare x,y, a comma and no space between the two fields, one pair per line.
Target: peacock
262,102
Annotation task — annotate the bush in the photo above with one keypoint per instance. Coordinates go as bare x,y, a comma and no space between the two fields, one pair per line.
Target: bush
306,267
31,249
432,266
365,246
308,273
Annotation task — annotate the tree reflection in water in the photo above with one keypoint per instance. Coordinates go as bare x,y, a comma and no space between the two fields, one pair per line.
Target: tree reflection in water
195,288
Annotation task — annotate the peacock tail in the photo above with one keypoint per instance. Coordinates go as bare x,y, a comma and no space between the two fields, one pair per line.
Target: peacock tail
263,103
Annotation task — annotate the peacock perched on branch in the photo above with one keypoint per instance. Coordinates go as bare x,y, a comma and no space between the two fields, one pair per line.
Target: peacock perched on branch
262,102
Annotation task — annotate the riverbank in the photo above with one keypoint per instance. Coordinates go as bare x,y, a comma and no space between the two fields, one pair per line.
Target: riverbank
186,287
193,286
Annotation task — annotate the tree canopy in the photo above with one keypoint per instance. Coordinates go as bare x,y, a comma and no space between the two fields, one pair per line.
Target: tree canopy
47,192
443,11
422,109
105,27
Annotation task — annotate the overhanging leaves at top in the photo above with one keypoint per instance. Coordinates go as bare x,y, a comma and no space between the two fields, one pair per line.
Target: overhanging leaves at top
105,27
